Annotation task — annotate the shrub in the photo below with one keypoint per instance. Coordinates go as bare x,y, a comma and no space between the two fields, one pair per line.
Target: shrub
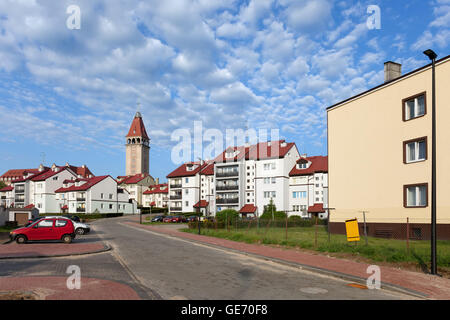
277,215
227,214
190,214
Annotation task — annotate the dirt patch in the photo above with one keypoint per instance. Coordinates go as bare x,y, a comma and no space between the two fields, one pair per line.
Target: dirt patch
17,295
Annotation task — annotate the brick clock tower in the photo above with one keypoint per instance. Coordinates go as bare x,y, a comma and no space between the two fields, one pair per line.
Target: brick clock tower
137,147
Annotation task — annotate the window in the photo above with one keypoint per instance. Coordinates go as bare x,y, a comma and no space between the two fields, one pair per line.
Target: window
110,196
60,223
273,180
186,191
302,165
317,178
415,150
266,180
55,178
45,224
186,203
415,195
101,206
110,206
101,195
186,180
414,107
299,194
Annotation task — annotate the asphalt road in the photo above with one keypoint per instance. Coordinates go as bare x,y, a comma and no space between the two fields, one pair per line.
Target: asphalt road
173,268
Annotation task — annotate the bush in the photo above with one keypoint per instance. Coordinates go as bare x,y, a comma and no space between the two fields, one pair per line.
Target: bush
277,215
227,214
146,210
190,214
86,215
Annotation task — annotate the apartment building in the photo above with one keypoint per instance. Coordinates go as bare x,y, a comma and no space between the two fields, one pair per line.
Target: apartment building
308,187
94,195
136,185
156,196
379,145
7,196
185,182
253,175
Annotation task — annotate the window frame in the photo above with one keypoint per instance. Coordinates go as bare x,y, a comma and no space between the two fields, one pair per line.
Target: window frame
405,195
424,94
405,144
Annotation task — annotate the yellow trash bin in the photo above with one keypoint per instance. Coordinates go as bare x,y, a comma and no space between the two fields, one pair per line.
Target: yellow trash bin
351,226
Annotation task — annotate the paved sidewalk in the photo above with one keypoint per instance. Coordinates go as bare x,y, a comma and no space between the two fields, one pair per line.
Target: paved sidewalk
40,250
422,284
55,288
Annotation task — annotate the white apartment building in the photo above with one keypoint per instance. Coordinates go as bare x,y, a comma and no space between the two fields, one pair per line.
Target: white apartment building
308,187
6,196
156,196
94,195
136,185
184,185
255,174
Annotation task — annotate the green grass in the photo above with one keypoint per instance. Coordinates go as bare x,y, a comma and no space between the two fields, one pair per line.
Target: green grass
7,229
377,250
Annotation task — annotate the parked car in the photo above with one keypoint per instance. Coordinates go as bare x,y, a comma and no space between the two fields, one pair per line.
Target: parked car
192,219
72,217
45,229
178,219
80,228
157,219
168,219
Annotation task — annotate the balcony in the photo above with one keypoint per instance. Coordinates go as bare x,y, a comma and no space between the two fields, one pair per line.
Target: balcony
175,208
227,201
177,197
81,199
81,209
19,190
20,200
227,174
175,186
229,187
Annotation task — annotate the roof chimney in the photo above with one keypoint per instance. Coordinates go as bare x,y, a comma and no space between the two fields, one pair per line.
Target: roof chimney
157,181
392,70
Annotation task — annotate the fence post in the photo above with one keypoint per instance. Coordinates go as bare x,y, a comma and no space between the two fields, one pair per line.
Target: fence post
365,229
407,235
315,234
286,228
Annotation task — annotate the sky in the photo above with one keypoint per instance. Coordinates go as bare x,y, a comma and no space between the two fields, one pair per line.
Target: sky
69,95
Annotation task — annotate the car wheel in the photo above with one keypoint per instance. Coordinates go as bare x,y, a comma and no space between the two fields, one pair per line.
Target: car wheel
21,239
67,238
80,231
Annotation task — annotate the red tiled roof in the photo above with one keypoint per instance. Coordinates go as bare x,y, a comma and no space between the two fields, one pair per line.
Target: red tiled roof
248,208
137,128
260,151
318,164
85,186
203,204
182,171
30,206
19,173
81,171
133,179
7,188
208,170
46,174
64,207
316,208
153,203
157,189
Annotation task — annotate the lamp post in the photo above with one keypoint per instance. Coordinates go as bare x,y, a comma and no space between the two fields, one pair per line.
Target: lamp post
432,56
199,193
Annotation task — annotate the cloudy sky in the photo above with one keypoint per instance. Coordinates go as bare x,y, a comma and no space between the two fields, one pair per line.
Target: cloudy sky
70,95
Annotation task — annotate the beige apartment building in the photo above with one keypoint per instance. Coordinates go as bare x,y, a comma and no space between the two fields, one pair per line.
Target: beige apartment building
379,155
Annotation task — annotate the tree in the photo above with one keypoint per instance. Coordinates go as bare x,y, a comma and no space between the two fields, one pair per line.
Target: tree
227,214
270,208
2,184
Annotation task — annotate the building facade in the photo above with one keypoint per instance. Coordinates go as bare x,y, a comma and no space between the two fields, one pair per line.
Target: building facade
156,196
379,145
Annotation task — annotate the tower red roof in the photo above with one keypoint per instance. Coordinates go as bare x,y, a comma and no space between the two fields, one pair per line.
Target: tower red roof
137,128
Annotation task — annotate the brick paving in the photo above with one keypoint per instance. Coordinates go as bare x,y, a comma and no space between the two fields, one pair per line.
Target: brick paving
429,286
55,288
31,250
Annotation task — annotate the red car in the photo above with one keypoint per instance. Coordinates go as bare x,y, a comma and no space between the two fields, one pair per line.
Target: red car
167,219
178,219
45,229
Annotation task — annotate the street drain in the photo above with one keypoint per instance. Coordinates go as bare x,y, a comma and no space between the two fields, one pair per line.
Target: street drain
313,290
357,285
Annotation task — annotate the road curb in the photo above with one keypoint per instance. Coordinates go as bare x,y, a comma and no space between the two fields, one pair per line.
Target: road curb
105,248
343,276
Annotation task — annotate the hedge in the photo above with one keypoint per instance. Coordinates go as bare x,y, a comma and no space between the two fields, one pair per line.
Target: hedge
146,210
86,216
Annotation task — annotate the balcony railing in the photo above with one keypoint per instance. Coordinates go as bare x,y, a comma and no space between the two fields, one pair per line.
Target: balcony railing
81,199
219,188
81,209
19,200
227,200
174,186
19,190
227,174
175,208
175,197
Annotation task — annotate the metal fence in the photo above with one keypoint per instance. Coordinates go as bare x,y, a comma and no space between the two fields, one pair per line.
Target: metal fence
384,240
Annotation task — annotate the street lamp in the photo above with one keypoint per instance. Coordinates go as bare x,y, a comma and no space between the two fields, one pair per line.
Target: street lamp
199,193
432,56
